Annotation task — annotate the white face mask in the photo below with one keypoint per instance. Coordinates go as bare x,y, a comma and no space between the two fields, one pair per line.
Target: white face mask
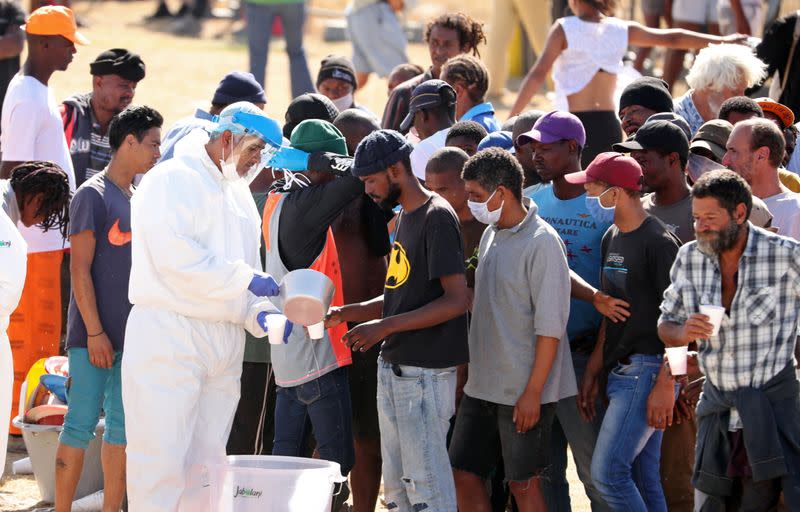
229,168
481,211
344,102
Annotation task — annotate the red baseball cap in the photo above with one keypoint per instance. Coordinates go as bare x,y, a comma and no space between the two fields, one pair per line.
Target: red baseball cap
613,168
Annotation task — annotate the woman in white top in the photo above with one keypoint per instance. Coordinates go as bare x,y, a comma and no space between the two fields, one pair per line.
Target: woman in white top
585,53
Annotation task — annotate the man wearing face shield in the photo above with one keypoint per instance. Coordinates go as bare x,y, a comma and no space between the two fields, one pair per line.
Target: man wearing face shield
196,282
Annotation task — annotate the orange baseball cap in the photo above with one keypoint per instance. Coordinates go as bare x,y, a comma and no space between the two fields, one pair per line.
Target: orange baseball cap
54,20
783,112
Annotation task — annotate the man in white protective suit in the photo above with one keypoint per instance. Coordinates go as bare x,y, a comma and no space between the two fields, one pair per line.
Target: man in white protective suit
196,282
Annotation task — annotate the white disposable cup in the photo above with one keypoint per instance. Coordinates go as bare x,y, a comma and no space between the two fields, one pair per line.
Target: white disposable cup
316,331
677,357
276,325
715,314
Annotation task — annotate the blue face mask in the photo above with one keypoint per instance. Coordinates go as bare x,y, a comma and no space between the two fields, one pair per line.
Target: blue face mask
598,211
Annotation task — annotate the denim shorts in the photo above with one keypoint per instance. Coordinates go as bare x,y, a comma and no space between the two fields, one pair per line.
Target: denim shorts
92,390
484,430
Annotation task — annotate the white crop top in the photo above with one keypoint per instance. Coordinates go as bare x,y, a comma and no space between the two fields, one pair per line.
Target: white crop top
591,47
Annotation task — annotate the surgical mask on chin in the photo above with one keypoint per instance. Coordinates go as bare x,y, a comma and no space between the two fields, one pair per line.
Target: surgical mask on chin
344,102
229,168
598,211
481,211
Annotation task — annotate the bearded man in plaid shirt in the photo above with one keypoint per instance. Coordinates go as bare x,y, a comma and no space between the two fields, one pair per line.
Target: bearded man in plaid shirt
748,441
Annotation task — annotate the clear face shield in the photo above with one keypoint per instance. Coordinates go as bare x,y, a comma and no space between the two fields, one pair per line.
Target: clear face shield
698,165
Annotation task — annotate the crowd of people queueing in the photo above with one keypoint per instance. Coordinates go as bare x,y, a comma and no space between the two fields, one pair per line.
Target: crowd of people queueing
504,290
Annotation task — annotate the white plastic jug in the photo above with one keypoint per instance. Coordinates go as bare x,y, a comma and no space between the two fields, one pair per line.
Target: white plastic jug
267,483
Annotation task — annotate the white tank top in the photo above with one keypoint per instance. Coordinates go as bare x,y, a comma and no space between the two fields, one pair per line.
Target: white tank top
591,47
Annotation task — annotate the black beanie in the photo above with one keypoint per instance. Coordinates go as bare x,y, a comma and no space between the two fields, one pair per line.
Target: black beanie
649,92
378,151
336,66
308,106
118,61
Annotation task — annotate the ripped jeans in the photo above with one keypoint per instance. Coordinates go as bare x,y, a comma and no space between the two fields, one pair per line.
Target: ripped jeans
414,410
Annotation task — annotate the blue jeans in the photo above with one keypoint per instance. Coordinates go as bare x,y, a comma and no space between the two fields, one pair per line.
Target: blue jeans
91,391
569,427
626,462
326,402
259,32
414,410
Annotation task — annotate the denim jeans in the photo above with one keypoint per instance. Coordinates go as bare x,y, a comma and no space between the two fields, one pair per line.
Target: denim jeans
414,410
569,427
625,467
259,32
326,402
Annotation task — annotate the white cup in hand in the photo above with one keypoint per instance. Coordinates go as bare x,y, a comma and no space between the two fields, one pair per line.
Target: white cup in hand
715,314
276,326
677,357
316,331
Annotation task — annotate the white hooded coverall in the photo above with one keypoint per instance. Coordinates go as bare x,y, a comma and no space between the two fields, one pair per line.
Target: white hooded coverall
13,267
195,248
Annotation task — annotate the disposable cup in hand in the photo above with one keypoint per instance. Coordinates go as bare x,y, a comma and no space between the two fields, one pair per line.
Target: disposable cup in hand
316,331
276,325
715,314
677,357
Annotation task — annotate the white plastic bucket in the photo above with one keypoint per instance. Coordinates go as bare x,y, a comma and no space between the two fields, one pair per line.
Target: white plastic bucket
41,441
267,483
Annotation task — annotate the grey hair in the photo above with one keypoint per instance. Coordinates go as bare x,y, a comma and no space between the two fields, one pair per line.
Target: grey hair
725,66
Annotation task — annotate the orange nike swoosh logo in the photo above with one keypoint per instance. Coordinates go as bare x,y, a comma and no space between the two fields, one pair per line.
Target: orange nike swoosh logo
118,237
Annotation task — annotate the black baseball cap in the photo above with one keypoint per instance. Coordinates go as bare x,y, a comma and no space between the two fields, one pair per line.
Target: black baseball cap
428,94
660,135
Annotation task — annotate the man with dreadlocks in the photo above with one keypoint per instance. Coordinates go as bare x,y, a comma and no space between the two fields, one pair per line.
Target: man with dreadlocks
469,77
36,194
448,35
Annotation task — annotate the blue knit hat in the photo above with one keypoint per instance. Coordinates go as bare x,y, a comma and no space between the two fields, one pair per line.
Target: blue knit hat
239,86
378,151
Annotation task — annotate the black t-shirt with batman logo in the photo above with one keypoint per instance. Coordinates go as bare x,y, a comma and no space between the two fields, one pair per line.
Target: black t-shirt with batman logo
427,246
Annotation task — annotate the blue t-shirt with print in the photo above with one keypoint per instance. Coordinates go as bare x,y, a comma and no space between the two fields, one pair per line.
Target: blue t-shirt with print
101,207
582,236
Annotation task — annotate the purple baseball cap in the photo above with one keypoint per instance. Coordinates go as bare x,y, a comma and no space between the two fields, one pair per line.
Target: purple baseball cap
553,127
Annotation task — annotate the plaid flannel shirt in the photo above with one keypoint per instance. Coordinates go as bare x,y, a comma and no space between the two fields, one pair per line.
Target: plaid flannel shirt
757,339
